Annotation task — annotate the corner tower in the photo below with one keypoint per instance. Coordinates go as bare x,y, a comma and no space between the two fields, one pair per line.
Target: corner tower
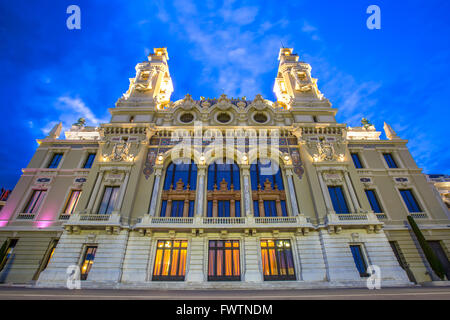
152,86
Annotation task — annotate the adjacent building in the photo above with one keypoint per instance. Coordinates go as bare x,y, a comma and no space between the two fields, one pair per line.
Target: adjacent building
221,193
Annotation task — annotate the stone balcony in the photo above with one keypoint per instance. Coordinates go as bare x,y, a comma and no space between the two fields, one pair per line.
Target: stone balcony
337,222
110,222
298,223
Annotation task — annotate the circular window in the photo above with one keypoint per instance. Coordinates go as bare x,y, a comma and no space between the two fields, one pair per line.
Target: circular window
187,117
223,117
260,117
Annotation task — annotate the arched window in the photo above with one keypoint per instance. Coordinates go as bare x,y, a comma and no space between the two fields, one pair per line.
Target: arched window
269,197
178,196
224,185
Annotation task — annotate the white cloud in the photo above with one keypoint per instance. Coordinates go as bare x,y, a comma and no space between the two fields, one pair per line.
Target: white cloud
71,110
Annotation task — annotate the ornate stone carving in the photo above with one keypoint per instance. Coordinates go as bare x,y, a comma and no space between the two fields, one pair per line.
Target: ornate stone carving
326,150
121,151
149,163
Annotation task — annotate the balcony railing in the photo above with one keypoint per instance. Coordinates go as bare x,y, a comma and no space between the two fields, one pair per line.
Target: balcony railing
419,215
223,220
25,216
271,220
352,217
175,220
94,219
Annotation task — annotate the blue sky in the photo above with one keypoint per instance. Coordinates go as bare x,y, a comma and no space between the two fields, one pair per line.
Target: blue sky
399,74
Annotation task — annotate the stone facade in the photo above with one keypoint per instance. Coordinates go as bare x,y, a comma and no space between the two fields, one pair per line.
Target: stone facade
60,208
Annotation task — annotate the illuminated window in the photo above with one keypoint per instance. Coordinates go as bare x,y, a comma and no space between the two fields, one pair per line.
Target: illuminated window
269,197
170,260
88,261
89,161
55,161
8,253
35,201
277,260
109,200
178,196
360,262
72,201
224,260
50,255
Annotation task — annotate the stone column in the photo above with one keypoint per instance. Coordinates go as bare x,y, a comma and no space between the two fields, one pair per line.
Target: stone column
348,196
247,190
95,191
196,259
292,194
152,209
201,172
123,189
326,195
252,270
352,192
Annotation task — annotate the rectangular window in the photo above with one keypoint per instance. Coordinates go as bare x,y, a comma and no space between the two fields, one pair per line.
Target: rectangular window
35,201
72,201
50,255
410,200
256,207
109,200
88,261
357,161
277,260
390,160
89,161
170,260
441,256
270,208
224,260
338,199
8,253
55,161
360,262
373,200
46,259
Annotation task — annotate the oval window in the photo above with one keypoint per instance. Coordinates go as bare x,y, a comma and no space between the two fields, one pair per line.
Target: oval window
186,117
223,117
260,117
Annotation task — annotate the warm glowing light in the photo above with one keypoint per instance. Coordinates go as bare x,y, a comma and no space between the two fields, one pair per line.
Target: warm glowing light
341,157
244,158
316,158
160,158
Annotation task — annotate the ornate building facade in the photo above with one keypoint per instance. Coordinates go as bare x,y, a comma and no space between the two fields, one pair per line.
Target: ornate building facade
221,193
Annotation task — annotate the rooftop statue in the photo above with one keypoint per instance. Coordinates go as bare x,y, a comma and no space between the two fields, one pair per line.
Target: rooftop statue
80,123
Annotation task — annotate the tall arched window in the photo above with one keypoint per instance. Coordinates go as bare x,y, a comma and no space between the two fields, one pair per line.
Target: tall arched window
178,196
224,185
269,197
